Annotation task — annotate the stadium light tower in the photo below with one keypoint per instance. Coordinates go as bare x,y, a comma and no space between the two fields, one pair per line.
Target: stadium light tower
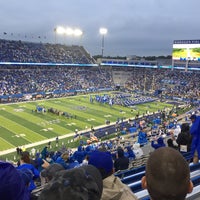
103,32
68,31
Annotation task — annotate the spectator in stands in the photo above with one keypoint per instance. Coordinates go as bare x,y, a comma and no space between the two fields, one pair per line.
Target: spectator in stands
79,183
142,137
137,150
12,186
113,188
44,152
167,175
157,143
67,161
195,132
62,159
184,139
85,160
50,170
130,152
25,163
170,143
121,161
79,155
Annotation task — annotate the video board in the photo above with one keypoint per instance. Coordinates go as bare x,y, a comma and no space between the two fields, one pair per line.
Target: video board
186,50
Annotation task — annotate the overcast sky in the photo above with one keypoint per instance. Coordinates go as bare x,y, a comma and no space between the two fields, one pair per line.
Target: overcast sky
135,27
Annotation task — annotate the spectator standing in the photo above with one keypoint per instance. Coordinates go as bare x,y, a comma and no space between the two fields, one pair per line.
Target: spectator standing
121,161
184,138
195,132
44,152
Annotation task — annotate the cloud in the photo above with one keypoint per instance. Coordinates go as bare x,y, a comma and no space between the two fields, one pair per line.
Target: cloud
134,27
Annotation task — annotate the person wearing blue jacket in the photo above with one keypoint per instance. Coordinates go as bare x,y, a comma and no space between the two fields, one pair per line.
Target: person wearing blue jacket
157,144
79,155
195,132
25,163
142,137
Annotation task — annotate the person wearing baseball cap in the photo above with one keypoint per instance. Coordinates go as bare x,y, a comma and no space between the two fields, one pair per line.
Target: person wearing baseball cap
113,188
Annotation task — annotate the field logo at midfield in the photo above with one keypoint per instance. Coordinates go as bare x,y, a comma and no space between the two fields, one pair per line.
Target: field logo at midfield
46,123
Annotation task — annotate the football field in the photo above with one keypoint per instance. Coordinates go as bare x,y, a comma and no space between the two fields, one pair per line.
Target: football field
20,124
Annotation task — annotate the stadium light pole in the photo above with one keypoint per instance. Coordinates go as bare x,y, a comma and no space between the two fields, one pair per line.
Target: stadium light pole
103,32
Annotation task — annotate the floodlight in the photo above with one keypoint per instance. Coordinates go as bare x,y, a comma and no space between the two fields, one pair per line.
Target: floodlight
60,30
103,31
69,31
78,32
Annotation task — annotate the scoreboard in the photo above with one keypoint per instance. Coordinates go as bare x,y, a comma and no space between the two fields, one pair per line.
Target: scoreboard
186,50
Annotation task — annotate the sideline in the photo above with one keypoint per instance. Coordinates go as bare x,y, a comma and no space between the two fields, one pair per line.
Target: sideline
4,152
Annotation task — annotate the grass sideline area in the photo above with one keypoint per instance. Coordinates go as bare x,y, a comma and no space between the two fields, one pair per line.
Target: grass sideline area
22,126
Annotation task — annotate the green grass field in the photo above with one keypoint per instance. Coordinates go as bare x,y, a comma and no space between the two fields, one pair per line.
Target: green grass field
21,125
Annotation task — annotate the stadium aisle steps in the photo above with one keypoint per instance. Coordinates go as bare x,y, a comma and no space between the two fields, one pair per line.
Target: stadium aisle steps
132,171
136,184
143,195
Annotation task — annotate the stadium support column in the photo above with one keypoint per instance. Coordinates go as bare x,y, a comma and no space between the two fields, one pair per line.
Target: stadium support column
102,46
145,79
55,35
186,65
153,83
103,32
172,64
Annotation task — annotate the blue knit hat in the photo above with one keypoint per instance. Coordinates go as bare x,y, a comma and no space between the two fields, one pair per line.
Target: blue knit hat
101,160
12,186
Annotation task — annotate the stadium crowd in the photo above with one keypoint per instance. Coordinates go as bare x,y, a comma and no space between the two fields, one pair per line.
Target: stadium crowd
50,79
174,84
41,79
28,52
41,175
167,84
89,172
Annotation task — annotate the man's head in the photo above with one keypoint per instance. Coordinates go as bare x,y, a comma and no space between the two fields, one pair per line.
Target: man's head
120,152
83,182
51,170
167,175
